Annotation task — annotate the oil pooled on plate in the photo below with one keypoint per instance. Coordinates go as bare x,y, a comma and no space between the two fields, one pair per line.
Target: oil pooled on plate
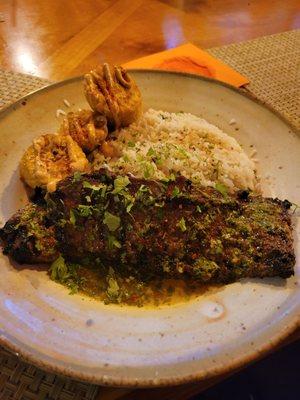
131,291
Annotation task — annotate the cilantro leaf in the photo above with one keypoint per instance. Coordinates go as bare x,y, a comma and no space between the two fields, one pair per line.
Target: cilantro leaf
181,224
148,170
112,221
150,152
221,189
130,144
169,178
158,161
103,191
85,211
113,242
182,152
129,206
175,192
88,185
77,176
59,269
120,184
72,217
67,274
142,189
113,287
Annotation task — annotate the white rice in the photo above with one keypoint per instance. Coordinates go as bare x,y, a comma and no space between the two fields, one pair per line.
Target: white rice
60,112
162,143
67,103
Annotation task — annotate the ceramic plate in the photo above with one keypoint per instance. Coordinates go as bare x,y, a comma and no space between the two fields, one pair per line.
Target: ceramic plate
126,346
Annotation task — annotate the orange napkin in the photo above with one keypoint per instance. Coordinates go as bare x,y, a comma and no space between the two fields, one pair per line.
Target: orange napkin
189,58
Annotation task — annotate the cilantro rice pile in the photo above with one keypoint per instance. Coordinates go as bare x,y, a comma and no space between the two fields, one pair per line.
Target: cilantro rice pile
161,144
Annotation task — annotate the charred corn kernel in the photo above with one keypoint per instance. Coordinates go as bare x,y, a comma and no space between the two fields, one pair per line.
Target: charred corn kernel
113,93
86,128
49,159
108,150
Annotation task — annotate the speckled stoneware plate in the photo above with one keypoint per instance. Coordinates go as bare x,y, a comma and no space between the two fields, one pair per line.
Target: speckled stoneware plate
128,346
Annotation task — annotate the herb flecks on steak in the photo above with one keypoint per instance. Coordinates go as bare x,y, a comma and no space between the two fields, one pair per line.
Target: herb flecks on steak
168,229
29,236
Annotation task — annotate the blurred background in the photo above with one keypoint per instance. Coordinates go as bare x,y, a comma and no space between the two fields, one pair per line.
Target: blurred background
56,39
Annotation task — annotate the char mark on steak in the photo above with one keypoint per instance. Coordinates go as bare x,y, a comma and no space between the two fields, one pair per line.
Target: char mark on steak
158,229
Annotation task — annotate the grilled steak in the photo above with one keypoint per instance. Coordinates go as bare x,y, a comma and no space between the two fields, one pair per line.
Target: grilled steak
29,236
149,229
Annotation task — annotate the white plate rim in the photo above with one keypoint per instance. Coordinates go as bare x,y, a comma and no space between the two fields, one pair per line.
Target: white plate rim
52,365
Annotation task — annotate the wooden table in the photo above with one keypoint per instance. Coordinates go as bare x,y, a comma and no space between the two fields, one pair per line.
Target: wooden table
56,39
60,38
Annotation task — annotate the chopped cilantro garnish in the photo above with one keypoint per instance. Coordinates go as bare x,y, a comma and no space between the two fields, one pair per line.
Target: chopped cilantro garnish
140,158
221,189
38,245
85,211
150,152
182,152
103,191
88,185
120,184
129,206
62,222
148,170
130,144
74,286
77,176
112,221
146,173
129,227
59,269
72,217
113,288
128,200
67,274
170,178
144,195
158,161
142,189
175,192
181,224
120,188
113,242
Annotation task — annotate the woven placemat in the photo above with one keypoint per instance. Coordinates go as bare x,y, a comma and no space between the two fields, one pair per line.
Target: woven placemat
272,65
14,85
21,381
